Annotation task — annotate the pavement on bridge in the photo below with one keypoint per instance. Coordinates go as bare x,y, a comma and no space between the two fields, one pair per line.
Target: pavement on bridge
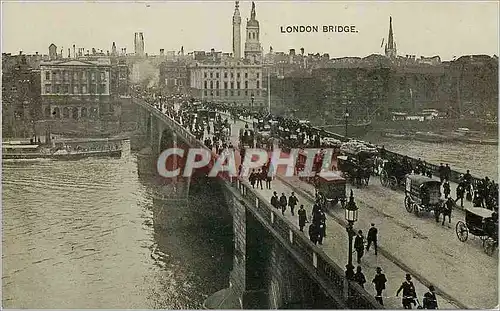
463,274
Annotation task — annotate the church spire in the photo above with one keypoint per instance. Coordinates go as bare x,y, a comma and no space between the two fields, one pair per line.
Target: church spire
252,14
390,41
390,47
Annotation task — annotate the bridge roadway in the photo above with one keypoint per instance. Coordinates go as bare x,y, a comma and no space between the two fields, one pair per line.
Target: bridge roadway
465,277
462,273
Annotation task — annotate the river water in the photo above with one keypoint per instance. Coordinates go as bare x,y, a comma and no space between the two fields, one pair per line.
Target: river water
80,234
481,160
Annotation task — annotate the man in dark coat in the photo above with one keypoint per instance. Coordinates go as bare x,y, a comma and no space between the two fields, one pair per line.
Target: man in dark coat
409,292
313,233
359,245
292,202
275,200
430,300
302,217
359,277
379,280
447,172
283,203
460,193
441,172
372,238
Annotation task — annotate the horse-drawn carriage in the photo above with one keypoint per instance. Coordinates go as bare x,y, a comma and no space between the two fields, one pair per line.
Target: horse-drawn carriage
422,194
393,174
330,188
356,168
482,223
329,185
247,137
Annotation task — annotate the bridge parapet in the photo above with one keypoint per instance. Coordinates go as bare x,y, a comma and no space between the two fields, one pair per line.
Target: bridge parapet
326,272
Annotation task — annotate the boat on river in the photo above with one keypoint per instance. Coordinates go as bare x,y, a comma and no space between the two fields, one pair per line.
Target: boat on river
57,151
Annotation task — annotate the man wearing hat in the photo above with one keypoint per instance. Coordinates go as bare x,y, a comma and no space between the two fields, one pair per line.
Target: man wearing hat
430,301
409,293
379,280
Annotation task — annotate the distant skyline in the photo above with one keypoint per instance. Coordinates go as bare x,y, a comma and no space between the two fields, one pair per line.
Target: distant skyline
446,29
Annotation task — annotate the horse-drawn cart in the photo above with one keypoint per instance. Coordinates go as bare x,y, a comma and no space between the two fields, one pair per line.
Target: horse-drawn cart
422,194
482,223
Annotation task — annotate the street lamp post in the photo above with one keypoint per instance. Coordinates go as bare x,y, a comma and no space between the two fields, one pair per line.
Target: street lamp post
251,110
351,215
346,116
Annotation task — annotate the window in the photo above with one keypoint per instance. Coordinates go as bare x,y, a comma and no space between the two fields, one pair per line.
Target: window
225,85
232,93
258,84
205,83
217,93
205,75
84,75
211,84
246,93
238,92
92,76
75,89
238,75
66,89
206,92
75,75
246,84
232,85
47,89
102,89
84,89
180,82
225,74
103,76
238,85
211,75
232,75
257,75
258,92
217,75
246,75
225,93
47,75
217,84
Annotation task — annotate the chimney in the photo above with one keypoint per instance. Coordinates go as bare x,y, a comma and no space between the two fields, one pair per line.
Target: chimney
36,53
69,53
125,51
162,52
20,52
74,51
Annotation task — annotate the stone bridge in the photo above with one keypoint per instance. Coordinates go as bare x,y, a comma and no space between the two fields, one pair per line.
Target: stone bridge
274,265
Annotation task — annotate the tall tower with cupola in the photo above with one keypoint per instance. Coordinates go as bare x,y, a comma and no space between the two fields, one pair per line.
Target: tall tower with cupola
253,49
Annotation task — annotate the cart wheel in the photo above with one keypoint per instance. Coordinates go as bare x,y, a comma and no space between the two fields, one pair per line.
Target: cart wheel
393,183
489,246
462,231
383,179
408,204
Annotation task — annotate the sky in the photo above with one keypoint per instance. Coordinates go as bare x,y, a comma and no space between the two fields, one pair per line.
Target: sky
447,29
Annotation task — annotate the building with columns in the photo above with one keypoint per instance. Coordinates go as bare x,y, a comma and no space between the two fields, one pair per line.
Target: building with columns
253,48
76,89
231,81
237,32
